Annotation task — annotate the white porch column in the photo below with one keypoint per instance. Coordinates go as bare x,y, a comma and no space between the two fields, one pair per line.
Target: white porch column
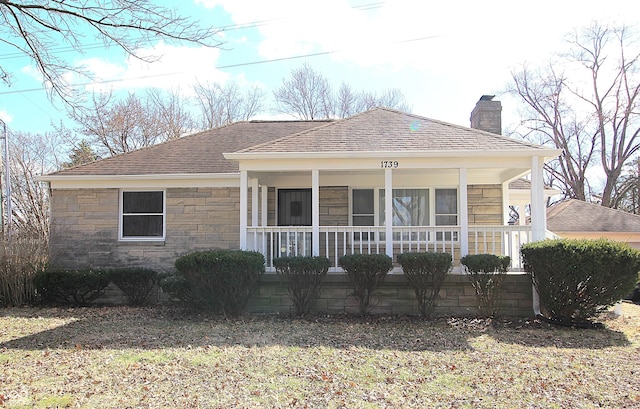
505,203
388,211
264,205
538,211
254,202
464,213
254,211
244,185
315,212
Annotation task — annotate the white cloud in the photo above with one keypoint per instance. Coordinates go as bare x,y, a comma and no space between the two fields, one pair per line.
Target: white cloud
460,36
173,68
6,117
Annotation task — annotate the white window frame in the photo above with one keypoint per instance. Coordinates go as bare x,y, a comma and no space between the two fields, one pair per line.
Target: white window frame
121,215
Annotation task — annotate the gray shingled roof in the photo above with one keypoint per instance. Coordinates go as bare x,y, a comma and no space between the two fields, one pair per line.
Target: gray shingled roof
387,130
577,216
197,153
377,130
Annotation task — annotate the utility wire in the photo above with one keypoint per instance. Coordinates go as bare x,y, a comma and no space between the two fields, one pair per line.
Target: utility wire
220,67
232,27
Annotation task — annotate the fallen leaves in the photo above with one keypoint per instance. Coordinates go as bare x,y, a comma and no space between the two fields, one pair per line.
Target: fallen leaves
124,357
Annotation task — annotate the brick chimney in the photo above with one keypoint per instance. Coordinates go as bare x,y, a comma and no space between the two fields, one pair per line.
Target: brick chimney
487,115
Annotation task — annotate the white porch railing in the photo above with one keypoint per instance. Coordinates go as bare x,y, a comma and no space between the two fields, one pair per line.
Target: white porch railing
336,241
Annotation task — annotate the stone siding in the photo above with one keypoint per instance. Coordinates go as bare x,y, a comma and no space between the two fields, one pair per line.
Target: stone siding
484,204
85,227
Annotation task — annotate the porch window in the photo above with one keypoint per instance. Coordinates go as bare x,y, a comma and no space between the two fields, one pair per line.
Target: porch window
446,207
363,212
411,207
142,215
446,212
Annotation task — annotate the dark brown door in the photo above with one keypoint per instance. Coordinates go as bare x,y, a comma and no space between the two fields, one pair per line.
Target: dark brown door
294,207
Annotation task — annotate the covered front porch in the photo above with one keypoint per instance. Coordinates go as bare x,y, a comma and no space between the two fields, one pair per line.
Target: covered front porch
405,205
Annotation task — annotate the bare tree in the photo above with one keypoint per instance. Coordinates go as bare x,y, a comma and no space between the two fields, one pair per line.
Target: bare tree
39,27
596,125
170,110
393,98
224,104
119,126
31,155
627,190
306,95
347,101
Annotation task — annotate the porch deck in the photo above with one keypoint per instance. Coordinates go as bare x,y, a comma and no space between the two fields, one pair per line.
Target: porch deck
336,241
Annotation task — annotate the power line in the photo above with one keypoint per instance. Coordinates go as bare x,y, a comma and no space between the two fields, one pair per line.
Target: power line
232,27
220,67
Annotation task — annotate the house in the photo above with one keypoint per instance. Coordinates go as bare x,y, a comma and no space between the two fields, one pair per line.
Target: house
381,181
576,219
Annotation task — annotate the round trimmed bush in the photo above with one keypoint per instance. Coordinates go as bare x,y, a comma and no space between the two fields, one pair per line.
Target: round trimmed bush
222,279
486,273
577,279
136,283
366,272
302,276
426,272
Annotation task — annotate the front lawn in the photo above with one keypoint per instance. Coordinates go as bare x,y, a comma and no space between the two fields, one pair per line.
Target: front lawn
159,358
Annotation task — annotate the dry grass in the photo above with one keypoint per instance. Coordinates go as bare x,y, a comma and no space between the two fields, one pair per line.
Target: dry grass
157,358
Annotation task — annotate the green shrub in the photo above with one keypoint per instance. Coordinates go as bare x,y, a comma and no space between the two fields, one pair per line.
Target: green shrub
302,277
577,279
366,272
75,287
177,287
222,279
135,283
487,273
426,272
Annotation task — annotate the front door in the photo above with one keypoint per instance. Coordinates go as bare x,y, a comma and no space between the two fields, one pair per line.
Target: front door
294,209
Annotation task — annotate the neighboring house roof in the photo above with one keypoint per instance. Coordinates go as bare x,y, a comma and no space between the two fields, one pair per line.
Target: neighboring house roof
521,184
577,216
197,153
525,184
387,130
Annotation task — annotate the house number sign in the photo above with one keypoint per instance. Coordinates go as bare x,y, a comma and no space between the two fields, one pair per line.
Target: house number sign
389,164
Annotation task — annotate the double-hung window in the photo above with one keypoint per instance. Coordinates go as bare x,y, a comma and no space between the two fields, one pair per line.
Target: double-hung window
142,215
363,211
446,212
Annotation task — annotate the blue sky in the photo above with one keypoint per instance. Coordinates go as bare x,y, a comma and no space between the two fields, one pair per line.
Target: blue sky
443,57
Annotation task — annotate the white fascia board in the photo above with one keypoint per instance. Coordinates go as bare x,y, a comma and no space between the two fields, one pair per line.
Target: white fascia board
134,181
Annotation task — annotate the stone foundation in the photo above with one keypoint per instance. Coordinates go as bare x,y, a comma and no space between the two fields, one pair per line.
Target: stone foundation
395,296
